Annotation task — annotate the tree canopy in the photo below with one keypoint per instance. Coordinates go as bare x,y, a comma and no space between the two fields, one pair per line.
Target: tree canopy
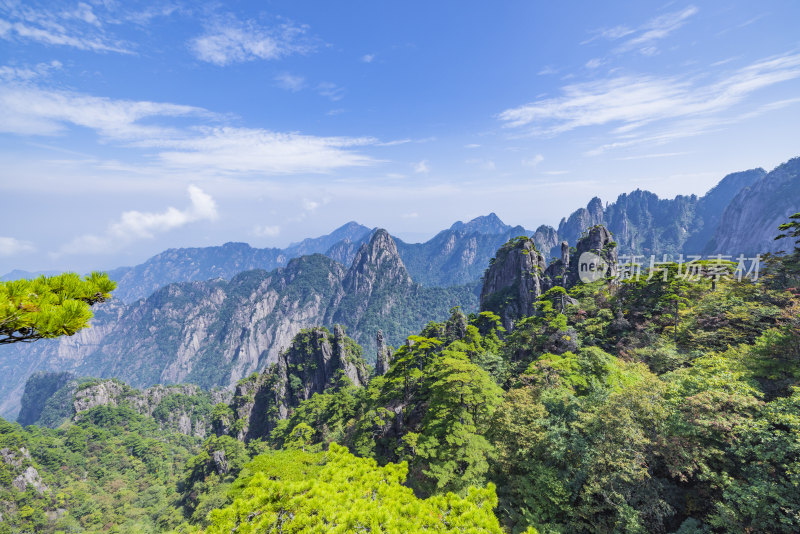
49,306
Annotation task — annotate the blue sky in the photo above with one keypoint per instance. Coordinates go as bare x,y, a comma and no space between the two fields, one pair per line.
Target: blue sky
127,128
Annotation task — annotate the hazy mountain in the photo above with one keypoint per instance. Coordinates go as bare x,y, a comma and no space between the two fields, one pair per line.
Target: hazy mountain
749,223
642,223
216,332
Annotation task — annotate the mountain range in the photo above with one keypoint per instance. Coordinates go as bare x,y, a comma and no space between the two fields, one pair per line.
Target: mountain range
217,331
212,315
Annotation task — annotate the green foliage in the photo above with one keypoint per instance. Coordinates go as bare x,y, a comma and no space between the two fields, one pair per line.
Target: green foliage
113,467
48,307
335,491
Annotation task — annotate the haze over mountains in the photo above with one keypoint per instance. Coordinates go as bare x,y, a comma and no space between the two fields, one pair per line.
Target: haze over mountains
213,315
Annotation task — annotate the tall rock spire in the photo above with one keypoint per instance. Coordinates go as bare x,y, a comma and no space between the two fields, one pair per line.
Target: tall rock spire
384,356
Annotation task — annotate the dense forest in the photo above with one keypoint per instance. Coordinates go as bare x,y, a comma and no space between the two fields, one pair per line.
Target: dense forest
662,402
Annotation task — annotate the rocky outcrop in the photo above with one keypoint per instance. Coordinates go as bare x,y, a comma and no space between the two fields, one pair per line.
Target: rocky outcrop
570,229
105,393
597,241
383,357
512,282
14,458
315,361
30,477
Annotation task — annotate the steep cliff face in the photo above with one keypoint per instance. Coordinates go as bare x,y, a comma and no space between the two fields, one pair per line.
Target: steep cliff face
315,361
383,358
512,282
517,276
598,241
750,222
712,205
570,229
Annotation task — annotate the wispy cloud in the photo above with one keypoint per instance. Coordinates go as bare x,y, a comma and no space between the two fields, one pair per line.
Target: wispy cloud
136,225
644,38
368,58
290,82
9,73
421,167
630,102
245,150
10,246
655,29
331,90
30,110
533,161
266,230
230,40
78,27
205,146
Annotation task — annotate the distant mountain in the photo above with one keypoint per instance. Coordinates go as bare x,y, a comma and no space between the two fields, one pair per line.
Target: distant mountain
642,223
16,274
216,332
749,223
351,232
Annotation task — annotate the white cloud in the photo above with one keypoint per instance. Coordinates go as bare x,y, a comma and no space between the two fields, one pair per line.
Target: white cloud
24,74
136,225
645,36
78,28
10,246
368,58
472,145
198,148
629,102
83,12
244,150
533,161
657,28
310,205
594,63
290,82
27,110
233,41
331,90
47,36
266,231
412,215
421,166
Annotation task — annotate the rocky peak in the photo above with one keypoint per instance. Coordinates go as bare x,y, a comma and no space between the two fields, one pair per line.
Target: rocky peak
376,270
378,256
599,241
485,224
384,355
571,228
546,239
512,283
314,362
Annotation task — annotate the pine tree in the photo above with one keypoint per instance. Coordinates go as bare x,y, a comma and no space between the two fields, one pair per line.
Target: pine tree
48,307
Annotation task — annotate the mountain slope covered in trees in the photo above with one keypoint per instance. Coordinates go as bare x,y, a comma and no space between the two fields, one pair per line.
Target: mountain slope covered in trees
643,404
